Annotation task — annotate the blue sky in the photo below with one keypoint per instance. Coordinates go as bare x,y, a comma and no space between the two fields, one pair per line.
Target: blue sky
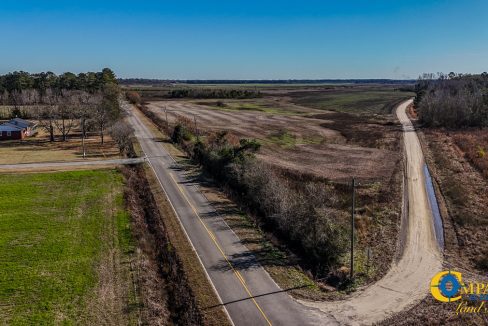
250,39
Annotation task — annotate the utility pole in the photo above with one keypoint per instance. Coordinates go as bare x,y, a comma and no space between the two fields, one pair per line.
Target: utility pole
352,226
83,137
167,123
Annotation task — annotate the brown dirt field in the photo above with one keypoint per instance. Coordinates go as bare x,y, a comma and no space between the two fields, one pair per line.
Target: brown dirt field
309,145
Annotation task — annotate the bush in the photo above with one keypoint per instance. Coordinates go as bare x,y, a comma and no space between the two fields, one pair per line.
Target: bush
481,152
133,97
180,134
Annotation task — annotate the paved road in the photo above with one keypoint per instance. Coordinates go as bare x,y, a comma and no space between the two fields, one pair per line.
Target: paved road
44,165
408,280
249,294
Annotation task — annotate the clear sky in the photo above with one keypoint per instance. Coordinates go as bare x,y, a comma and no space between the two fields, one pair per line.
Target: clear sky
249,39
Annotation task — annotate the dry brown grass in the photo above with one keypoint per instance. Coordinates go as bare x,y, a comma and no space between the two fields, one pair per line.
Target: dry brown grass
151,285
474,144
112,298
58,169
39,149
463,188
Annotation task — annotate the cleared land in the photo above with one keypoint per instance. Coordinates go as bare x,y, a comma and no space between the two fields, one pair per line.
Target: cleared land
333,145
40,149
316,143
65,249
369,100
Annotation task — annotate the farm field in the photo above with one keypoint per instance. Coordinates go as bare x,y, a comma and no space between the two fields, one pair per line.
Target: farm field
301,133
367,101
65,247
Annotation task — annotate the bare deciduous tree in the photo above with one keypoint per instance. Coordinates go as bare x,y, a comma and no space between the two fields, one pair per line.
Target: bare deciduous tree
102,116
84,112
122,133
66,114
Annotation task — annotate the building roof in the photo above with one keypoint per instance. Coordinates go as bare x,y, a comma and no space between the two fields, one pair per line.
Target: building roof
10,127
21,122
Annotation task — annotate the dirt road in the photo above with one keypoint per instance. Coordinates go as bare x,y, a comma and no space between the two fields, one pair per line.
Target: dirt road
408,280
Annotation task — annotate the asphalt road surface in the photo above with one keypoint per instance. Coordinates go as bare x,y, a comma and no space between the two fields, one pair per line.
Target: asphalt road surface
248,293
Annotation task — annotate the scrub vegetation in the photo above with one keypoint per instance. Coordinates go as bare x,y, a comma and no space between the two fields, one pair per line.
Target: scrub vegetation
454,110
303,211
453,100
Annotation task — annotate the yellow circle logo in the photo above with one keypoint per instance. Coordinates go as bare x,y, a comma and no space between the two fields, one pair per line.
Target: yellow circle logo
446,286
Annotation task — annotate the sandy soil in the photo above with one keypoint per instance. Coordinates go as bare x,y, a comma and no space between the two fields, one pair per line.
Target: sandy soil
408,280
318,150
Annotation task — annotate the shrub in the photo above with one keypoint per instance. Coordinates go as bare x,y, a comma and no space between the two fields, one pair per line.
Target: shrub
481,152
180,134
133,97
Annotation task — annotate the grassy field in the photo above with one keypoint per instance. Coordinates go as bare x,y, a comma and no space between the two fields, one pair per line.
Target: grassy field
64,248
352,101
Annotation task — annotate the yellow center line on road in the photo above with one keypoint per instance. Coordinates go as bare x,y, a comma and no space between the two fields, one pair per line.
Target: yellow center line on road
236,273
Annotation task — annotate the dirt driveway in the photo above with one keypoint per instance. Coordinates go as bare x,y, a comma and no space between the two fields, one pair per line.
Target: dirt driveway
408,280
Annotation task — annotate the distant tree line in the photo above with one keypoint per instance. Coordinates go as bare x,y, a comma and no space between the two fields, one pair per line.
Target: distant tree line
158,82
89,82
452,100
212,93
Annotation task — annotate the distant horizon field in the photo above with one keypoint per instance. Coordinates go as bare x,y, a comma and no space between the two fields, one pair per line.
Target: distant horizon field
136,86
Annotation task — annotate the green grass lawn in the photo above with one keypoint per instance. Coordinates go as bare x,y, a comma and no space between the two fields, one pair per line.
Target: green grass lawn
354,101
55,229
